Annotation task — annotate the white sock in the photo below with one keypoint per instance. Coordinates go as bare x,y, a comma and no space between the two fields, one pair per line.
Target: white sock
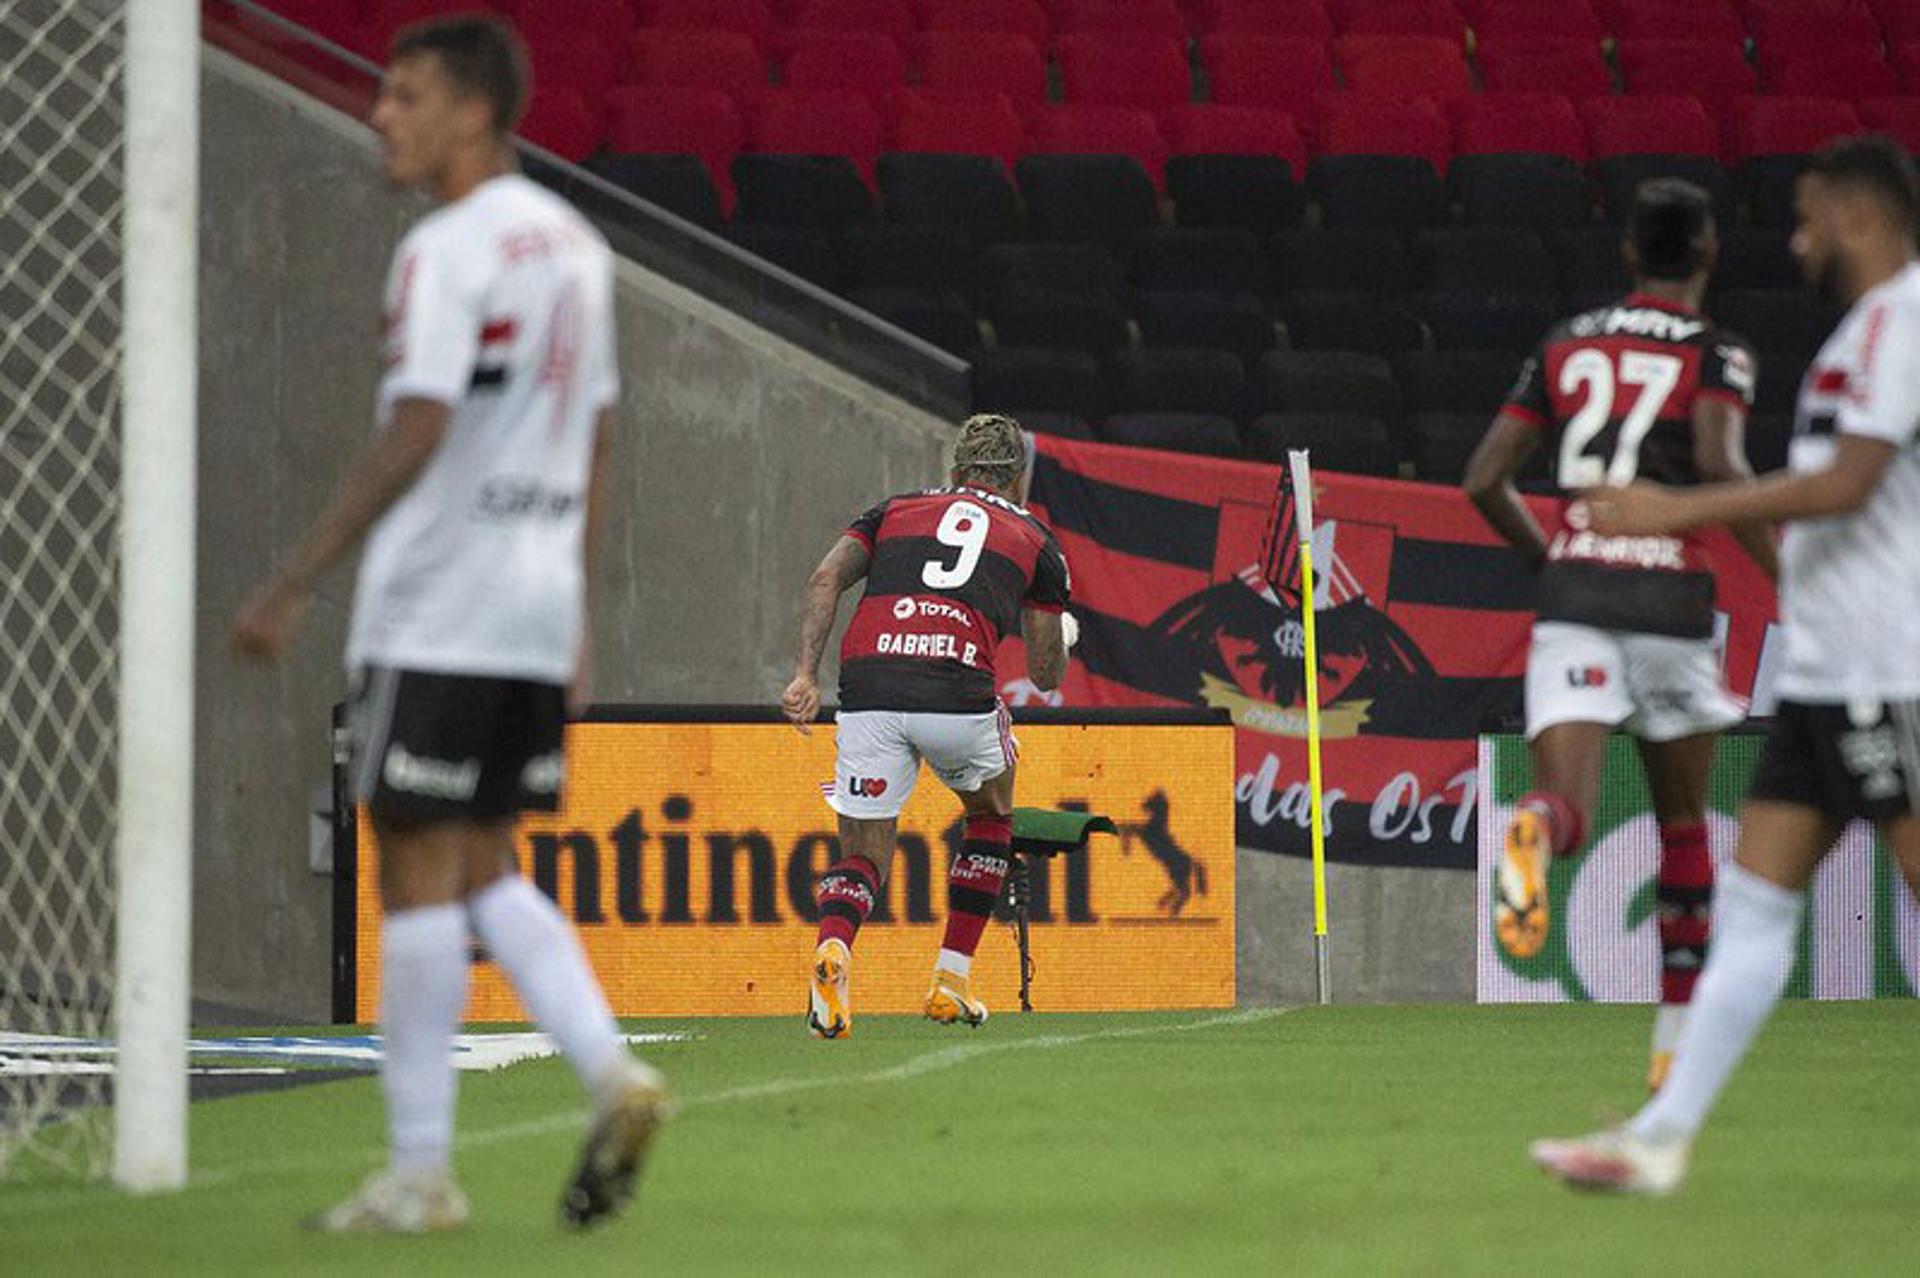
530,939
423,987
1756,925
954,961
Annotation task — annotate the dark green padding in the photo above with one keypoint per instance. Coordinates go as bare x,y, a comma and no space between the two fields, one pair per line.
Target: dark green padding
1047,832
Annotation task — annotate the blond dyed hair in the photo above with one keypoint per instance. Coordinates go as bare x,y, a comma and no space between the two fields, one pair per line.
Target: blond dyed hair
990,450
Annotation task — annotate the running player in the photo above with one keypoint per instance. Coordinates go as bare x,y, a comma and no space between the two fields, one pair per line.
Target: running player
1845,742
949,572
483,494
1624,633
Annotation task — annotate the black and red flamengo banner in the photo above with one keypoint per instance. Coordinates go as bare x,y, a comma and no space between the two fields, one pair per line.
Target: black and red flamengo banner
1422,628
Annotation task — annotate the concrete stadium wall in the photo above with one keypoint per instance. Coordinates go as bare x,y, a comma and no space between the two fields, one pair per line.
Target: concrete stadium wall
740,457
1394,935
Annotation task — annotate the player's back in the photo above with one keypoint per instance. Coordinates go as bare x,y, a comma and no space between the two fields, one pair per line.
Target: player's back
500,306
1613,391
950,571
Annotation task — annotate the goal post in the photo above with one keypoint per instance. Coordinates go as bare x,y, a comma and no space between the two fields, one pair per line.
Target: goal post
153,854
98,266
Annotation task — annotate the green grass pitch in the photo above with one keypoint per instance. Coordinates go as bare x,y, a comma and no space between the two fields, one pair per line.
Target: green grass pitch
1360,1140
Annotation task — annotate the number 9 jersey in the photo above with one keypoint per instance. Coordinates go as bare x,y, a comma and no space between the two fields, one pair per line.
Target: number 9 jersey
950,572
1613,392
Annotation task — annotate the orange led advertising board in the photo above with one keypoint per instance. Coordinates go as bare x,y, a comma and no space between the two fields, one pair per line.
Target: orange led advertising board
686,854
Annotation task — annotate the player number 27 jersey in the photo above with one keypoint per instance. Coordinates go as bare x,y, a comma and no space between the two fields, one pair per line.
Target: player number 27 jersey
950,572
1613,392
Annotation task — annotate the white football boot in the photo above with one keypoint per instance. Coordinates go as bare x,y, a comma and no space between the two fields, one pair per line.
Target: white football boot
1615,1159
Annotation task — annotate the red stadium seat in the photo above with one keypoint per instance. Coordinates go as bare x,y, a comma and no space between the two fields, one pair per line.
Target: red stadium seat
1572,67
560,120
673,120
1289,73
1099,130
826,122
612,24
1786,126
869,63
1020,17
1497,123
949,123
585,63
1899,118
1906,65
1810,24
1207,129
1440,18
1852,72
1665,20
382,19
1405,67
698,60
1160,19
867,17
750,18
1710,70
984,62
1134,71
341,23
1532,20
1359,125
1649,125
1899,21
1305,19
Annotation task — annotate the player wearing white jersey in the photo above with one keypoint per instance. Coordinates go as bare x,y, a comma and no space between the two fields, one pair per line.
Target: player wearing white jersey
482,495
1846,742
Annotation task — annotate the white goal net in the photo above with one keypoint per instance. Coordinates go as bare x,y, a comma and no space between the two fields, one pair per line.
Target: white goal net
61,184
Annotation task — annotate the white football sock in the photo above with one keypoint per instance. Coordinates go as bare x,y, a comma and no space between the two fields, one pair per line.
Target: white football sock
423,988
530,939
954,961
1756,925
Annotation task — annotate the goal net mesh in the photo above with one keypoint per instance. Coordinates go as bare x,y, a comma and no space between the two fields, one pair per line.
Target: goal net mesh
61,155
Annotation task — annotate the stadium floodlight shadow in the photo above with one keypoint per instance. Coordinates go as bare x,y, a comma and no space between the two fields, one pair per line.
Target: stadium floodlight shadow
682,251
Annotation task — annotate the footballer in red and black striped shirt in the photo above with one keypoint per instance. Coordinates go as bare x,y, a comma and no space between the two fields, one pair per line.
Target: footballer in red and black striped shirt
950,572
1646,387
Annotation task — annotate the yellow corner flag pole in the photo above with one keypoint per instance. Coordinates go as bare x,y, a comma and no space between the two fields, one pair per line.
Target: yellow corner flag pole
1303,516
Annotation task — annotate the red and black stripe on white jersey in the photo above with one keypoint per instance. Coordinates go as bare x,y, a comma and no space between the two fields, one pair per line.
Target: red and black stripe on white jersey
951,570
1613,390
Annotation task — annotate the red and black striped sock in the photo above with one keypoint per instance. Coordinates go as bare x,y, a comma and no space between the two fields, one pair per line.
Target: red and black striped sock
1683,889
845,895
973,882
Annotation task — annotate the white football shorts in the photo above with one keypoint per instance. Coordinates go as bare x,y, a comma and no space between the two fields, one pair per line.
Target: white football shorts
880,752
1656,687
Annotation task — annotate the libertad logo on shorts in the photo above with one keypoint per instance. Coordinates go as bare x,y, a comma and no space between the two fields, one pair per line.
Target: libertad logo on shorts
1586,676
867,787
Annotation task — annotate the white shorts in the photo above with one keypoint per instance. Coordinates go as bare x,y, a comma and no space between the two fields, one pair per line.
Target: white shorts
1655,686
880,753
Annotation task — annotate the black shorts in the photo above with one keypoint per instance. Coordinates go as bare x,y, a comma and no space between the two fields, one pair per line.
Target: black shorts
439,747
1846,760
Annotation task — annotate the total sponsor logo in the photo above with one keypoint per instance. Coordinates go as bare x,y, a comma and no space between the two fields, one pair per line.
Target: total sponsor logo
908,607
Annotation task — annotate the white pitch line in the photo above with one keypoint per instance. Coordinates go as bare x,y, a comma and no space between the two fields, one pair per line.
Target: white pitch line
912,1067
570,1120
